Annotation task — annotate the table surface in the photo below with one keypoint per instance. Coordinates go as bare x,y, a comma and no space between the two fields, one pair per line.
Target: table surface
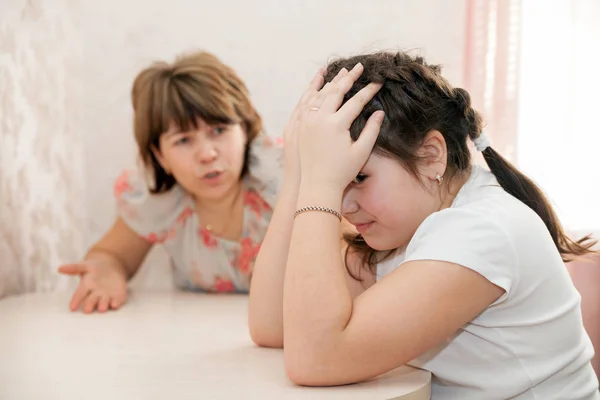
159,346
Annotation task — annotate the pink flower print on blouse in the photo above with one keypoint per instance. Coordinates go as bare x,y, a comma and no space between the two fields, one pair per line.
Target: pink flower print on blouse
198,278
248,253
223,285
158,238
207,238
122,185
185,214
255,202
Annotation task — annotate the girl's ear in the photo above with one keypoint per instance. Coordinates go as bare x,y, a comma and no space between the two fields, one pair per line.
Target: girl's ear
434,155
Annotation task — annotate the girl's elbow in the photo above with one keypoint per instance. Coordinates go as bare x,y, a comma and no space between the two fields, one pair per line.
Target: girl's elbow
300,373
264,337
304,370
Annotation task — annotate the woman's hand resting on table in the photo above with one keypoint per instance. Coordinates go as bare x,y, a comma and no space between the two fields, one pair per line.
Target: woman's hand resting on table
101,287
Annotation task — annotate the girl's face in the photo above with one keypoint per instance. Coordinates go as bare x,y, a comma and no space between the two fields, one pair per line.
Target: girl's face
386,203
207,161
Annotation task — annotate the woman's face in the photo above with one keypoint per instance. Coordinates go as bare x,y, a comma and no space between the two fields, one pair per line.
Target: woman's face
208,161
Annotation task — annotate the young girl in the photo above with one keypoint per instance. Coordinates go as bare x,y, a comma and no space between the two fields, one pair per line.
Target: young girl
459,269
206,193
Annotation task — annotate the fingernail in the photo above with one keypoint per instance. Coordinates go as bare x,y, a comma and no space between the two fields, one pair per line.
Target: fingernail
358,65
344,71
379,115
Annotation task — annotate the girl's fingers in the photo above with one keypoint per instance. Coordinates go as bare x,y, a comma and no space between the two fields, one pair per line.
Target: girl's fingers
318,80
311,91
342,72
364,145
353,107
320,97
335,95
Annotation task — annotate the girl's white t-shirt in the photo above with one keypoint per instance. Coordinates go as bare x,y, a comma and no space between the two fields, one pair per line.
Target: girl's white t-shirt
530,343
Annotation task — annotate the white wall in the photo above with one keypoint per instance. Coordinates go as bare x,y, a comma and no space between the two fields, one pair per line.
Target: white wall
275,45
41,180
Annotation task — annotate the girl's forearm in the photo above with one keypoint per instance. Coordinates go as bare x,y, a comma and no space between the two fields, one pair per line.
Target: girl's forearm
265,313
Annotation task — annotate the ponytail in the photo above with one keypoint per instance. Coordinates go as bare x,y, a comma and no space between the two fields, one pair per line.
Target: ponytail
518,185
417,100
524,189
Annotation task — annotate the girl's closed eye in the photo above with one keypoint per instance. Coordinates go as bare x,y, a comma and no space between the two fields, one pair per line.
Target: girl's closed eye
360,178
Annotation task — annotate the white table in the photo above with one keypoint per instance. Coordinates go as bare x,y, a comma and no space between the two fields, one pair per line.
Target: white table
159,346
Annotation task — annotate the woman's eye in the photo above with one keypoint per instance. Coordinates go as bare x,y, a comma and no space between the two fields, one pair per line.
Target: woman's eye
219,130
360,178
182,140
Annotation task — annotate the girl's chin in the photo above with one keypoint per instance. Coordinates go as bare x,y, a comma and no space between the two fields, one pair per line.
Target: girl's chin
379,245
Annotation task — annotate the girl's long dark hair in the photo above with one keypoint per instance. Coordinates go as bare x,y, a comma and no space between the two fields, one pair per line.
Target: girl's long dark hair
416,100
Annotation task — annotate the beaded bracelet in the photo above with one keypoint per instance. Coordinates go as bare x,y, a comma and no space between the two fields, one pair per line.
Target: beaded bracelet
317,208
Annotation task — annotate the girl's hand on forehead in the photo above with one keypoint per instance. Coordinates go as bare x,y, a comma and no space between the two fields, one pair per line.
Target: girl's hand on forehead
290,132
328,156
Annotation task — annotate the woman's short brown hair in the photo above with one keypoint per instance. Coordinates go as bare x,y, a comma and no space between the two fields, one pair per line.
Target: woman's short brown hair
196,85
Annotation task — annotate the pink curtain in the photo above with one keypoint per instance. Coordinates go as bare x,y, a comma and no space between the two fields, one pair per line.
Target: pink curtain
492,67
586,277
494,39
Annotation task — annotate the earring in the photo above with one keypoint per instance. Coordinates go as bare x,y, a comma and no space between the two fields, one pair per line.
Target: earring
439,179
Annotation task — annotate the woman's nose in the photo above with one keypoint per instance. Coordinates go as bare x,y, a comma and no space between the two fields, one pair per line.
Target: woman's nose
206,152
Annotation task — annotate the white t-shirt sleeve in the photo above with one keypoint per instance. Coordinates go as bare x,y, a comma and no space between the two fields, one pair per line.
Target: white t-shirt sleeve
469,238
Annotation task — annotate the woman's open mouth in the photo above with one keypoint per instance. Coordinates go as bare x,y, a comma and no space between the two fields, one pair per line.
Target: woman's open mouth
212,175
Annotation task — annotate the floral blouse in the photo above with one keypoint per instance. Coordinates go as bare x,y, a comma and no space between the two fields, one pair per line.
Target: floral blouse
199,259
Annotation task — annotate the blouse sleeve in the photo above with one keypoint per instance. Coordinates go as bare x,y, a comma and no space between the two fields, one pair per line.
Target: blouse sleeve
266,167
150,215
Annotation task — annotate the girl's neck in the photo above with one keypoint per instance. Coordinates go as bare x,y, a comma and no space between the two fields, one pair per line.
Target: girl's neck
450,191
